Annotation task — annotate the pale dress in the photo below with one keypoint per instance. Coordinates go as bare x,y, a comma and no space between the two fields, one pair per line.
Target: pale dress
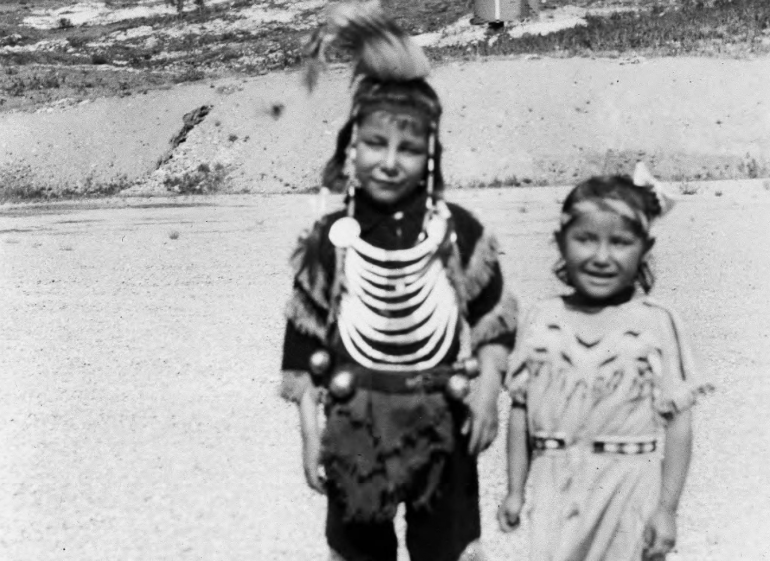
614,375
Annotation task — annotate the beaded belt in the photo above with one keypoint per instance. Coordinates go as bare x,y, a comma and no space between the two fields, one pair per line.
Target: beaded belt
599,446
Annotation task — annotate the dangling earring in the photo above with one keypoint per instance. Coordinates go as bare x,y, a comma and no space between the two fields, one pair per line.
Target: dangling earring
350,167
346,230
431,184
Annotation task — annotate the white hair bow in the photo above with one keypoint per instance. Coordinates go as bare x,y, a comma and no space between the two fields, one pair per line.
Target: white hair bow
643,178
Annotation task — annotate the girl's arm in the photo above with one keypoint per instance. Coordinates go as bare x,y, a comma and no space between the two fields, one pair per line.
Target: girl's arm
660,533
311,439
518,467
482,401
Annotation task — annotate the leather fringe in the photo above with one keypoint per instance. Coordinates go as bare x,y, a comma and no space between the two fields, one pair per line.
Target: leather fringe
500,319
481,266
307,273
302,314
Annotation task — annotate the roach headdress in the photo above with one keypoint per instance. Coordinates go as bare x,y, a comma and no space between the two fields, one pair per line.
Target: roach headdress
389,71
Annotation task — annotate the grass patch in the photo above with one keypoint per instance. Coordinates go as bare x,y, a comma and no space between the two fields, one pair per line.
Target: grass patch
19,183
687,27
203,180
659,27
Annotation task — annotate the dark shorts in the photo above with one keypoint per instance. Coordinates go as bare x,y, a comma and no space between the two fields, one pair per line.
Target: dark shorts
440,533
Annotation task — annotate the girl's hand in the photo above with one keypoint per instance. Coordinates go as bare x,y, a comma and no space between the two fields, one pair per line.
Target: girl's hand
659,534
509,512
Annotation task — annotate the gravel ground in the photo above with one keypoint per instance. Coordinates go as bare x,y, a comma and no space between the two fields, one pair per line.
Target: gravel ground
139,348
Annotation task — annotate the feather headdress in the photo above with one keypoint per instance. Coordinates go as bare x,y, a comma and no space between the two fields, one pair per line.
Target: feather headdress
381,50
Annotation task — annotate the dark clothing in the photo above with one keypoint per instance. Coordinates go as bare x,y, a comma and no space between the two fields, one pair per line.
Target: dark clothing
391,229
440,533
380,450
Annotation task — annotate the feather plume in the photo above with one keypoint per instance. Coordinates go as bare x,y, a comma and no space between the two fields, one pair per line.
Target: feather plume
379,47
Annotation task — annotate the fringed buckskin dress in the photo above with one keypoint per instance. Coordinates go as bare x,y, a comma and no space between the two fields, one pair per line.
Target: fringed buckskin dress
599,387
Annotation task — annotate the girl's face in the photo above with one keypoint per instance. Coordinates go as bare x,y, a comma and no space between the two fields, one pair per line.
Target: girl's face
391,155
602,253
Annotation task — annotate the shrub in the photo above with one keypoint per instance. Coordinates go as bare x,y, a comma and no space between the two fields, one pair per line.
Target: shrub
201,181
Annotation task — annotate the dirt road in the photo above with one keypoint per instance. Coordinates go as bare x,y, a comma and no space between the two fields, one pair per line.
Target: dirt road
139,412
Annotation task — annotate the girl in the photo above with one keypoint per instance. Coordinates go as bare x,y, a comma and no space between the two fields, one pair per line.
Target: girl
598,377
393,296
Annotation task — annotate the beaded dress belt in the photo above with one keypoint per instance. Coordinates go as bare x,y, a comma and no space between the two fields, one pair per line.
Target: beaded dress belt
645,446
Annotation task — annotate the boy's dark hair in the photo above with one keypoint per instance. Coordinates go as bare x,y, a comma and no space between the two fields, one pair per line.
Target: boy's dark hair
640,199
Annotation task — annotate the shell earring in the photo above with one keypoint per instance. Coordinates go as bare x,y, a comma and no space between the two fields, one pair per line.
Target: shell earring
350,169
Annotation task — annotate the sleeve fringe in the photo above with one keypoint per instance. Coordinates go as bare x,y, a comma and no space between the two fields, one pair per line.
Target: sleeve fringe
309,276
301,313
683,400
481,266
500,320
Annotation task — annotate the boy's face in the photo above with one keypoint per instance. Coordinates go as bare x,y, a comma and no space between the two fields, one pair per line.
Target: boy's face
391,155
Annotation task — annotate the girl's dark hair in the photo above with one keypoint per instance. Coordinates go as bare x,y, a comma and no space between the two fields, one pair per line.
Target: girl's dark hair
371,95
621,188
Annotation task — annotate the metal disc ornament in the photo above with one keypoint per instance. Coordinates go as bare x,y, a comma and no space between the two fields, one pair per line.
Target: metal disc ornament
458,387
344,232
342,385
320,361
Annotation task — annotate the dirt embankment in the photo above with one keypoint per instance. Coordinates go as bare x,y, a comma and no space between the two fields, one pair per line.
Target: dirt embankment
515,121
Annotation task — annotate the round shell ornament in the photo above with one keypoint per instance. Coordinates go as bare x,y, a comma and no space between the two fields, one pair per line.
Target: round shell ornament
436,229
344,232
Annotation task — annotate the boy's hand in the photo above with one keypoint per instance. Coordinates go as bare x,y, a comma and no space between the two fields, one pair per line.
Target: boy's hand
311,440
311,461
509,512
659,535
482,422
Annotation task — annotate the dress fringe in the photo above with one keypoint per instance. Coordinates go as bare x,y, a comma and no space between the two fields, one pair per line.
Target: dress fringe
671,406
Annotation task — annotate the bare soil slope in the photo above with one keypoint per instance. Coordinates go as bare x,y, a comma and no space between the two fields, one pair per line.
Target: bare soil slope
514,121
